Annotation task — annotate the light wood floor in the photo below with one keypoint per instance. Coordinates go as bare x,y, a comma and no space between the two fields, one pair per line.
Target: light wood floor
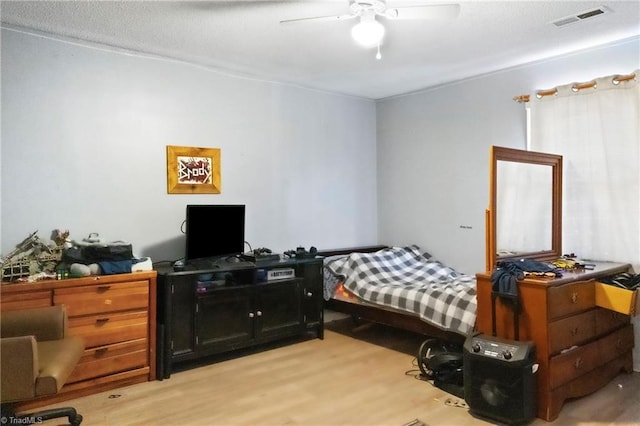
341,380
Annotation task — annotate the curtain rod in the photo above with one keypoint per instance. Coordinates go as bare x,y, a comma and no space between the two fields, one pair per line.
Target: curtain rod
617,79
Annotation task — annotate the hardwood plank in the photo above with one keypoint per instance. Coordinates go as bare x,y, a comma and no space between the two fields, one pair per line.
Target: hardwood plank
363,377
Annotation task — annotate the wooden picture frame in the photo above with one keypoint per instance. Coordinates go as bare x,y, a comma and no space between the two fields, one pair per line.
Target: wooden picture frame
193,170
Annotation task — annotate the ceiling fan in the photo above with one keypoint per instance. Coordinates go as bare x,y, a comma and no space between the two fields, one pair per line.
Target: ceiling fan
369,32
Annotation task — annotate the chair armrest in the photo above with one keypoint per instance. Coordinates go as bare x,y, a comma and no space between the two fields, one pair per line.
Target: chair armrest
57,360
19,368
49,323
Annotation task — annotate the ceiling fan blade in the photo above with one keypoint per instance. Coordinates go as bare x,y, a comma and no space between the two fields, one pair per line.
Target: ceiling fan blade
319,19
434,11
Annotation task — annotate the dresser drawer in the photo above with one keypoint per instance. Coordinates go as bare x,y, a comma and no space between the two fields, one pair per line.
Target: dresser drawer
572,364
105,329
617,299
105,360
616,344
573,330
607,320
94,299
26,300
570,298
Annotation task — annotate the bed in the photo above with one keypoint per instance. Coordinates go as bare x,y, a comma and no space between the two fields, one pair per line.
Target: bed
402,287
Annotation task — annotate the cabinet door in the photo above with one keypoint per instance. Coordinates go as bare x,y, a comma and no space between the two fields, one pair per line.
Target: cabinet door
278,309
182,315
312,300
224,319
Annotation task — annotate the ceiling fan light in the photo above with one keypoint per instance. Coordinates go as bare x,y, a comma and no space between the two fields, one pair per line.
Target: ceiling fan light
368,33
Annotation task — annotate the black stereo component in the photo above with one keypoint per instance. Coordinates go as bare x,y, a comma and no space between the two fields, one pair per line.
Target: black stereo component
302,253
499,379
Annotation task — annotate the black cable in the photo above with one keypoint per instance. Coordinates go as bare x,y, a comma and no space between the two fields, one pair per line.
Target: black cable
417,374
247,243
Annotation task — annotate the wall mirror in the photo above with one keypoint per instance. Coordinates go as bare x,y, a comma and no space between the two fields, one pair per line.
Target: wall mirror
524,218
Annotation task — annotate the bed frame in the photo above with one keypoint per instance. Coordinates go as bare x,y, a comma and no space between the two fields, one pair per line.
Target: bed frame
384,315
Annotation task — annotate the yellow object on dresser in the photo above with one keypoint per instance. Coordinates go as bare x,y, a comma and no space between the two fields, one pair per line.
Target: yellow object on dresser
115,315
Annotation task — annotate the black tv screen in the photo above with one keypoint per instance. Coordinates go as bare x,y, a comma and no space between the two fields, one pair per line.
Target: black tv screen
214,230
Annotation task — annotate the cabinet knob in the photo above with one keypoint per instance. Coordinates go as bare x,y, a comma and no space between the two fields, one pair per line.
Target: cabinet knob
309,294
578,363
251,315
574,297
574,331
259,313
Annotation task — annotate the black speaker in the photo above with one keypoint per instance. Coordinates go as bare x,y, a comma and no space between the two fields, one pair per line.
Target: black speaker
499,379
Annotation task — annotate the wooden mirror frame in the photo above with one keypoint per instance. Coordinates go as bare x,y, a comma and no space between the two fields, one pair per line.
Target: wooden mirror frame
499,153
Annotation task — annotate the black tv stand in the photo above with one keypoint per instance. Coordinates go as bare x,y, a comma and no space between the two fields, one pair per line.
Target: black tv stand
226,306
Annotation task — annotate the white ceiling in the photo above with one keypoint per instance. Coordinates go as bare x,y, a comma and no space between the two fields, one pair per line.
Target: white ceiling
246,37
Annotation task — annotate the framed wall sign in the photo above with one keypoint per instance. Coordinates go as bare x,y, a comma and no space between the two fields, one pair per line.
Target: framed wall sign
193,170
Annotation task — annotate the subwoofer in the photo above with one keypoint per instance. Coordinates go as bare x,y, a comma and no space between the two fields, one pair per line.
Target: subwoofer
499,379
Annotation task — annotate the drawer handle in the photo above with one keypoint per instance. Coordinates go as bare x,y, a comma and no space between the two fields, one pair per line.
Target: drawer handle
102,320
578,363
574,332
574,297
619,344
103,288
101,351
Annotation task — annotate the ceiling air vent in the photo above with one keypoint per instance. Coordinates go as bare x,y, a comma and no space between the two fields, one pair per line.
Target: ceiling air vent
581,16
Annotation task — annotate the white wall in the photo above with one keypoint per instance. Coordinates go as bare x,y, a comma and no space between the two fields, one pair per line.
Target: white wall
433,150
84,136
84,132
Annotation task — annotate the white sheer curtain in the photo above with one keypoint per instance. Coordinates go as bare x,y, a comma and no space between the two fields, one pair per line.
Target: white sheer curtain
597,131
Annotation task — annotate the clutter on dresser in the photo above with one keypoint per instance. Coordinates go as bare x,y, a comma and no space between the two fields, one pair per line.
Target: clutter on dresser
34,258
570,262
59,257
94,256
508,272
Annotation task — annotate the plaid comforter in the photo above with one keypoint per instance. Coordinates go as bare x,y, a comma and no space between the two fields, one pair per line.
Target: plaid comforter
405,279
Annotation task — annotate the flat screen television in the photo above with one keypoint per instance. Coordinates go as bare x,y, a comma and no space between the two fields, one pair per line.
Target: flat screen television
214,230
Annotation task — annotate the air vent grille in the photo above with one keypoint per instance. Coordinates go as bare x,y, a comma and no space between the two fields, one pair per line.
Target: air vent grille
581,16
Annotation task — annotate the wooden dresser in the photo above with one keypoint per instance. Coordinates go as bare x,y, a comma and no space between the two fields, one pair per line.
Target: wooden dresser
581,343
116,317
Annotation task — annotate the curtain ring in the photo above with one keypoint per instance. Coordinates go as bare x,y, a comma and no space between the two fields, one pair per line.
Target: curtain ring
617,79
542,93
576,87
